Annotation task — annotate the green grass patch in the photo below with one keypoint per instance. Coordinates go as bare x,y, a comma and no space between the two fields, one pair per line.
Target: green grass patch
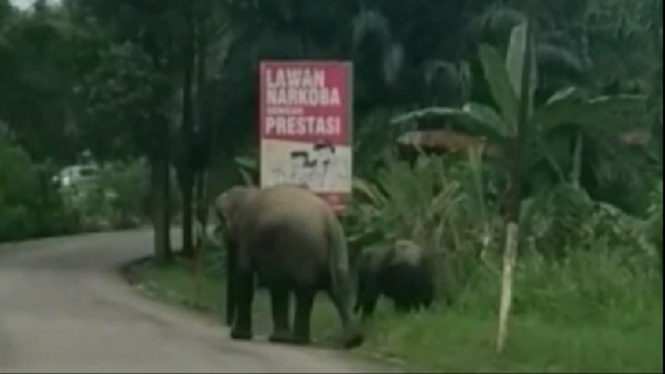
177,284
458,343
452,341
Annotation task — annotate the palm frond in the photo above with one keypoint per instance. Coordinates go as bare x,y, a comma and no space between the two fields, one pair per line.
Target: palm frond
493,25
561,61
370,22
601,114
371,25
477,119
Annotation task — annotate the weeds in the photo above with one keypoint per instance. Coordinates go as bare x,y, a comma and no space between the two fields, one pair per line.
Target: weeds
31,205
588,288
588,267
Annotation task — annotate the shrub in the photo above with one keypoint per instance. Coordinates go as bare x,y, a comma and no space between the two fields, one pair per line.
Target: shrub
32,206
601,285
655,222
29,204
585,262
117,200
439,203
370,138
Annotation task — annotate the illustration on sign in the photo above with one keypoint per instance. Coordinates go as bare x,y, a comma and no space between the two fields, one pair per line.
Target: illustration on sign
305,127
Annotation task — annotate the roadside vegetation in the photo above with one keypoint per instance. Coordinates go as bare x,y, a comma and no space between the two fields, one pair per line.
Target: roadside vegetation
597,307
167,114
34,205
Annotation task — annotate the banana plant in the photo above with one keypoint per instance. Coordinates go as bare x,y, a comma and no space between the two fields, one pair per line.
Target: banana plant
497,122
519,126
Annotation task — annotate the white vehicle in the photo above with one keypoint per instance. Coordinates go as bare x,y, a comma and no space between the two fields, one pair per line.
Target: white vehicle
75,181
77,176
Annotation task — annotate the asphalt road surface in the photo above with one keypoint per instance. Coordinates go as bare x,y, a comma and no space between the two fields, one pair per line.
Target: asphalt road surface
65,308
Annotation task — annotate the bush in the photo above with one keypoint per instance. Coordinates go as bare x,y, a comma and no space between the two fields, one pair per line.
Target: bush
655,222
118,199
32,206
581,262
438,203
592,305
29,203
599,286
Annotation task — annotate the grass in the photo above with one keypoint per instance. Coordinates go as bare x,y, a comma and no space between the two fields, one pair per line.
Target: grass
453,341
176,283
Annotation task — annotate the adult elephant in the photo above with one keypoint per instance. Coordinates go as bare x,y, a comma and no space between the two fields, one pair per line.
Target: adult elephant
292,240
401,271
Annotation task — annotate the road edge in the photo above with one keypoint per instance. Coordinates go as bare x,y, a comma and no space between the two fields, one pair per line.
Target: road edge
129,273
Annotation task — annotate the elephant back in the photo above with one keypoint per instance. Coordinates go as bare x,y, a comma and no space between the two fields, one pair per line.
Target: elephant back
374,257
407,252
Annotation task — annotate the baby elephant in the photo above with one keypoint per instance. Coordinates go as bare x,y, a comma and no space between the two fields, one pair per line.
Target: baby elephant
403,272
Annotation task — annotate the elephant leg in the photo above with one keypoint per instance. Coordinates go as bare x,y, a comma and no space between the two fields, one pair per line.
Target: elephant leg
401,307
428,303
415,304
365,287
231,300
358,304
429,299
242,327
231,281
369,304
279,302
360,295
304,304
367,298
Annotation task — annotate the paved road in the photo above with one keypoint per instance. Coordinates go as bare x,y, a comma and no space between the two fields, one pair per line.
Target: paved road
64,308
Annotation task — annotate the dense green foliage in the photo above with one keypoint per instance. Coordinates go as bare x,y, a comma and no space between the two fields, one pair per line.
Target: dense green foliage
32,205
29,206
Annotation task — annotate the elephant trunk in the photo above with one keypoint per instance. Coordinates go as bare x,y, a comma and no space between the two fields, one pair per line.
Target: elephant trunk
340,287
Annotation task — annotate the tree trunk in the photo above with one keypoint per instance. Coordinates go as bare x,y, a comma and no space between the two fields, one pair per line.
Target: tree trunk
187,132
161,205
201,203
204,126
160,158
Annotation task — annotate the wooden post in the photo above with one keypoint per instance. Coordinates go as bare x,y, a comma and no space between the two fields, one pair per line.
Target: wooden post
509,259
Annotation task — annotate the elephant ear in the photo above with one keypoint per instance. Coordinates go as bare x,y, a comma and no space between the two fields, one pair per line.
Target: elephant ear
223,209
407,252
375,257
229,204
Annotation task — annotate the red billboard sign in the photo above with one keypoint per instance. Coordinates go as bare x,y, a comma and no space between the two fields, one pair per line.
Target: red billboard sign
305,120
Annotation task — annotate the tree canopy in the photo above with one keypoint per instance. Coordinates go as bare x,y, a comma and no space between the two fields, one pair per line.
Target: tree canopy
176,81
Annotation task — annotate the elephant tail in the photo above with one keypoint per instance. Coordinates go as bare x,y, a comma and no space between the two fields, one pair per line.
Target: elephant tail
338,254
340,287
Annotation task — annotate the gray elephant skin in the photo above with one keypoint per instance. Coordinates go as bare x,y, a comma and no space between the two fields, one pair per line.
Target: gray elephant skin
292,241
401,271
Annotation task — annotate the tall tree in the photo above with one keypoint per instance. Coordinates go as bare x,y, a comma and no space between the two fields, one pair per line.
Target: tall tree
140,25
185,165
37,81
